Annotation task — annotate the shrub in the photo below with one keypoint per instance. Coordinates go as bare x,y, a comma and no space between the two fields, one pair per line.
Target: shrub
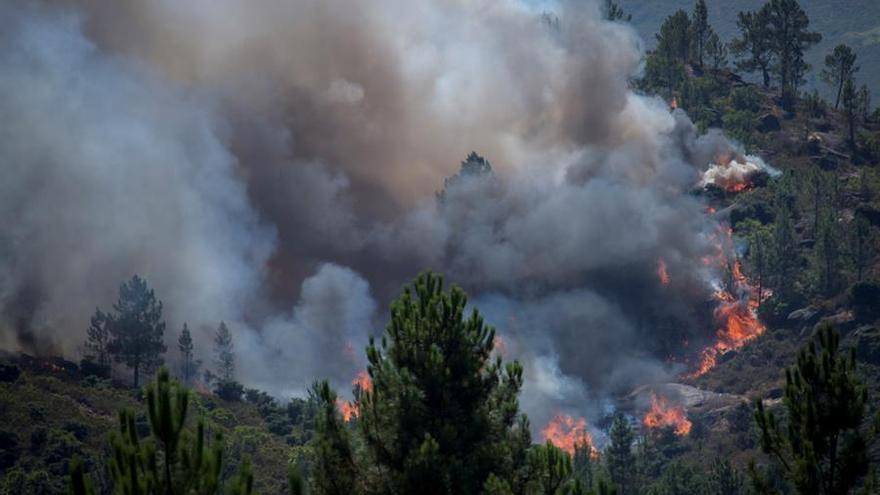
744,98
229,390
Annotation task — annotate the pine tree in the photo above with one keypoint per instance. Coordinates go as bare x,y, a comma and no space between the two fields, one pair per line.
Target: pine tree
136,328
582,463
674,38
724,479
619,457
753,48
863,242
716,51
335,471
173,460
613,12
701,31
442,414
188,365
827,255
840,67
790,38
553,469
98,340
225,351
851,111
820,448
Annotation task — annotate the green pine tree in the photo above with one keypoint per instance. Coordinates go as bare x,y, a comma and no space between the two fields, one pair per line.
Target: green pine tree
136,328
619,457
820,446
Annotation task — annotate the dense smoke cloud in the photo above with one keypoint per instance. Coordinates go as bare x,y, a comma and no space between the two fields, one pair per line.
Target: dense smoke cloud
274,165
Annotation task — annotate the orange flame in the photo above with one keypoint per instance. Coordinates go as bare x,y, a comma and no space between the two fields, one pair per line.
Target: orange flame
566,433
663,414
673,104
362,380
349,410
737,309
662,273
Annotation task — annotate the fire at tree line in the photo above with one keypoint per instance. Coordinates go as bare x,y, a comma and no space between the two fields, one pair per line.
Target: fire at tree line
437,411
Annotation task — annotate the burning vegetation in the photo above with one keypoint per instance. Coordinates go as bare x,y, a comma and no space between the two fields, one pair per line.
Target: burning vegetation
737,301
664,414
568,433
351,409
736,173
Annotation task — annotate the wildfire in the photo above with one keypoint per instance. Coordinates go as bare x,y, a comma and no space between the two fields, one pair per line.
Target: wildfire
673,104
348,409
362,380
737,310
663,414
351,409
735,173
662,273
566,433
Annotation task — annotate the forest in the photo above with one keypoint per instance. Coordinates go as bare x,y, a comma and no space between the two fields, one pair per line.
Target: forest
750,316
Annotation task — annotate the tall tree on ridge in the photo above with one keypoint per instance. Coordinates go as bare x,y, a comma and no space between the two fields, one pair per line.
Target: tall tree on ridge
753,47
701,31
223,346
840,66
136,328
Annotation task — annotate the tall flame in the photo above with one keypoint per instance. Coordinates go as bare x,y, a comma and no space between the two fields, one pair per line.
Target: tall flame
351,409
566,433
664,414
736,312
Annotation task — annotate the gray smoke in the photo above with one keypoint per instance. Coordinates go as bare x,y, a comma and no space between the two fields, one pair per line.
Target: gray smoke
274,165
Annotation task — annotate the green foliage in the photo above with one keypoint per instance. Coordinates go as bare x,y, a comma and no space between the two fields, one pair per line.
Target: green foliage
716,51
740,125
744,98
820,448
701,31
335,470
679,478
224,349
613,12
171,460
724,479
98,340
188,364
674,38
753,47
136,328
840,66
850,111
790,38
619,457
553,469
442,412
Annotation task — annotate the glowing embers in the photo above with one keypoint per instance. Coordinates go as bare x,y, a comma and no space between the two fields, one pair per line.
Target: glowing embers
664,414
567,433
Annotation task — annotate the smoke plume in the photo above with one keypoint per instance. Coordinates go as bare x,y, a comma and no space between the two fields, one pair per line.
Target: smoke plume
275,164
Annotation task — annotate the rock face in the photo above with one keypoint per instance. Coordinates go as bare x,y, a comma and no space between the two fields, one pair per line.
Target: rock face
695,400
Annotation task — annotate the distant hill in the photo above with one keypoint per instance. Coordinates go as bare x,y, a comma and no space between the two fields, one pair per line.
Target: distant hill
854,22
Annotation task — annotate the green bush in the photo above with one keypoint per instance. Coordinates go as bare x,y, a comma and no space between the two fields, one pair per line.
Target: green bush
740,125
744,98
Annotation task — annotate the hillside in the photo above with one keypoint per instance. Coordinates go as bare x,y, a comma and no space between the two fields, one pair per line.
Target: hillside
853,22
49,412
